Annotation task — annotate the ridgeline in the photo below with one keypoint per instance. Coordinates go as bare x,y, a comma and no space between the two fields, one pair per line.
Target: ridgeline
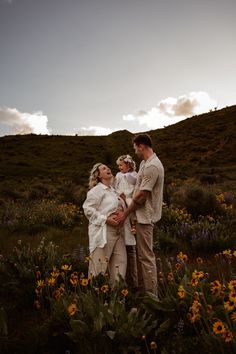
201,148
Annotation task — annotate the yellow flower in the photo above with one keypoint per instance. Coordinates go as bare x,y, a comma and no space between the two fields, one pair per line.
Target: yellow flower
105,288
72,309
40,284
232,297
51,281
218,327
232,285
182,257
193,317
74,281
84,281
194,282
66,267
197,274
234,253
227,252
177,266
55,272
153,345
216,287
233,316
124,292
196,306
229,305
199,260
181,292
227,336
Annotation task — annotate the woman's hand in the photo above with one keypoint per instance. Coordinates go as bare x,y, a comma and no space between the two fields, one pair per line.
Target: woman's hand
111,220
120,217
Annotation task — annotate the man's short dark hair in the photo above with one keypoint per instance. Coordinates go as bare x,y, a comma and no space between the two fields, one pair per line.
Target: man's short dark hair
144,139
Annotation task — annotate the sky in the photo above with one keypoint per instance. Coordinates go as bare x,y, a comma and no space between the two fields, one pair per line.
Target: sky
91,67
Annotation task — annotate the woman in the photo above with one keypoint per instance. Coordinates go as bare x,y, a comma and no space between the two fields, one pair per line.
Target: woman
106,239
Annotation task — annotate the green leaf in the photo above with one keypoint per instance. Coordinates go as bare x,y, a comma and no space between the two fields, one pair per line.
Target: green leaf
164,326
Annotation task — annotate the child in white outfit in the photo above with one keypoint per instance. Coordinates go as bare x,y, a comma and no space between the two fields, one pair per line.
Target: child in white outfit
124,184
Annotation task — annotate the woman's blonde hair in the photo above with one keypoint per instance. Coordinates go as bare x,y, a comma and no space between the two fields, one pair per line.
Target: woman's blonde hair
127,159
93,178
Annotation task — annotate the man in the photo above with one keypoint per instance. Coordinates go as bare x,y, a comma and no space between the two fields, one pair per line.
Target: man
147,203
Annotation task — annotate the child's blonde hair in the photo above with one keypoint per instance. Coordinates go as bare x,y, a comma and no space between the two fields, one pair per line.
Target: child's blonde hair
127,159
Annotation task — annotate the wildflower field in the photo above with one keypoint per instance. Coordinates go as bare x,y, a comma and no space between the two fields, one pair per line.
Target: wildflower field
50,306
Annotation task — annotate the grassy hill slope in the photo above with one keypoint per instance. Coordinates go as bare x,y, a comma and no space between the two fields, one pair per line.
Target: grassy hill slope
202,147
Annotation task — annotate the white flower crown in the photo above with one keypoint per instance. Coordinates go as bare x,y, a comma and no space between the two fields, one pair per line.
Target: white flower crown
128,159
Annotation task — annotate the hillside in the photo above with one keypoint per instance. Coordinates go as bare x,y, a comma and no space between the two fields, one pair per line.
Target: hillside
201,147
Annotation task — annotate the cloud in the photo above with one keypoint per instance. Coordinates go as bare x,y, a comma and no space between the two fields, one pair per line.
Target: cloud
24,123
93,130
172,110
7,1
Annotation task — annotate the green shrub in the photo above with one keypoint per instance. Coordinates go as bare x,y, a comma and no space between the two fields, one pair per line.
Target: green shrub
198,201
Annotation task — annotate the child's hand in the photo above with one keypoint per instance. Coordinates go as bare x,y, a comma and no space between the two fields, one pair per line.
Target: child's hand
123,196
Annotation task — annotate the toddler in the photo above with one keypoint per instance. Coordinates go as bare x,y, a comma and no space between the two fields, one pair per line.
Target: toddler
124,184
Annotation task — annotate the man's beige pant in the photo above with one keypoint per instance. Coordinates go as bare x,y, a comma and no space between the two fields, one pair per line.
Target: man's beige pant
146,260
112,257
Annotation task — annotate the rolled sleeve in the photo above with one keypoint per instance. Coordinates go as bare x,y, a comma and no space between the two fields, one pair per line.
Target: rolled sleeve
149,178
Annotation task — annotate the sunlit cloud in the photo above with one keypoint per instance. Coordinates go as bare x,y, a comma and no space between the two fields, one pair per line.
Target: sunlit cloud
172,110
24,123
93,130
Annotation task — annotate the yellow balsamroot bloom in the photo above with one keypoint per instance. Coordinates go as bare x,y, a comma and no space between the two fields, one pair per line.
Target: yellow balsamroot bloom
229,305
197,274
194,310
199,260
39,285
55,272
181,292
177,266
216,287
227,336
66,267
232,285
74,281
124,292
104,288
51,281
193,317
182,257
194,282
218,327
84,282
72,309
227,252
232,297
233,316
